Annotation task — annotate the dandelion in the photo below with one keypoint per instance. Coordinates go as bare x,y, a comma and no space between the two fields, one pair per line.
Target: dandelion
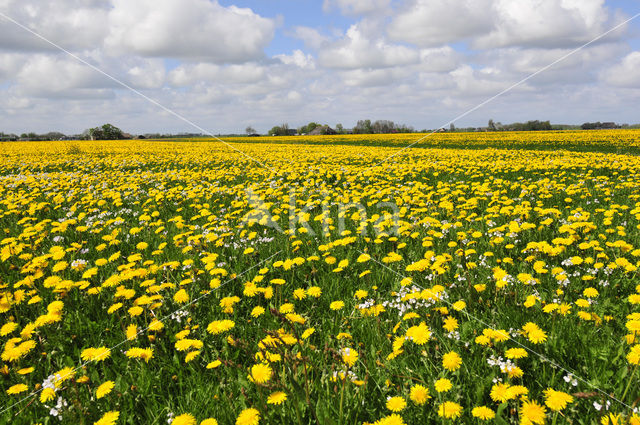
349,356
419,334
104,389
451,361
450,324
483,412
532,413
184,419
181,297
219,326
396,404
449,410
336,305
260,373
277,398
419,394
443,385
257,311
249,416
108,418
556,400
515,353
17,389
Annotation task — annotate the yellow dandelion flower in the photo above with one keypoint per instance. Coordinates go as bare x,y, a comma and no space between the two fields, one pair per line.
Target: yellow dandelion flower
483,412
419,394
17,389
219,326
396,404
249,416
532,413
181,297
260,373
108,418
277,398
336,305
556,400
443,385
184,419
451,361
419,334
104,389
449,410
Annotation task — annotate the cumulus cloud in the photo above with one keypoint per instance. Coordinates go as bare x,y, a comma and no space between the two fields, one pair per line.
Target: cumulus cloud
356,7
357,49
624,73
311,36
501,23
193,29
53,76
73,24
297,58
429,23
439,59
566,23
147,73
189,74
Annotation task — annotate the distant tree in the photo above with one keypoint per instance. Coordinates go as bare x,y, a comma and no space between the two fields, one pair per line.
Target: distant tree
106,132
281,130
491,125
53,135
250,130
363,127
403,128
339,128
383,126
305,129
452,127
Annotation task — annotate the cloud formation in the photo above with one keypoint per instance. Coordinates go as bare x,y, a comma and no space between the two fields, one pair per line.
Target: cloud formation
226,65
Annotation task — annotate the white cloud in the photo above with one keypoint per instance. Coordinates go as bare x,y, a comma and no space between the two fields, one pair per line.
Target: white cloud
358,50
625,73
147,74
500,23
439,59
355,7
429,23
247,73
563,23
54,76
73,24
311,37
297,58
374,77
193,29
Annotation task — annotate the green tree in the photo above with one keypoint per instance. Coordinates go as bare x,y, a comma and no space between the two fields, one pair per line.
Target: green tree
106,132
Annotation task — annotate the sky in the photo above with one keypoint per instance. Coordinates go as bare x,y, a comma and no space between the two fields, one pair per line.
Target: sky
219,66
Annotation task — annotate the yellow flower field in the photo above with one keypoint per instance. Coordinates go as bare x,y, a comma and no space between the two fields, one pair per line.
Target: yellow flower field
474,278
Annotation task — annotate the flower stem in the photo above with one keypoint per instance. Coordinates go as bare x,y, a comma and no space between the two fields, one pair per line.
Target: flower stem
629,383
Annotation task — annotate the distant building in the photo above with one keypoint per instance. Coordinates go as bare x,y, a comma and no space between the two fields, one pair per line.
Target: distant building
322,129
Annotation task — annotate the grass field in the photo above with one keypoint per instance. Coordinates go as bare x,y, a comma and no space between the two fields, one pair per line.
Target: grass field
474,278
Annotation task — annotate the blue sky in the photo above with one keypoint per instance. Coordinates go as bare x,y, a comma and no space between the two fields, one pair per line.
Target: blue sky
227,64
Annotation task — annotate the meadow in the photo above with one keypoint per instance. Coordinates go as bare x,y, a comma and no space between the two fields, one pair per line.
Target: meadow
474,278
